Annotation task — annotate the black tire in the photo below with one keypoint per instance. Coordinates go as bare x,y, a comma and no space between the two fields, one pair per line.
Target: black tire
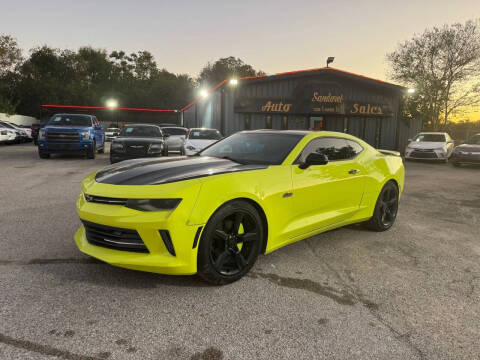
91,152
102,150
386,208
226,253
165,151
43,155
455,163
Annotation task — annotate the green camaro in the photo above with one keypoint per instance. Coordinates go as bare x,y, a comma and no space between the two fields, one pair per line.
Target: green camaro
213,213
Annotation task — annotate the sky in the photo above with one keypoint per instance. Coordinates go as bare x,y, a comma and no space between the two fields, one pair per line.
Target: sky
273,36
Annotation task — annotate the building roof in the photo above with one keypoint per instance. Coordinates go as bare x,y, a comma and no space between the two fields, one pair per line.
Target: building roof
299,73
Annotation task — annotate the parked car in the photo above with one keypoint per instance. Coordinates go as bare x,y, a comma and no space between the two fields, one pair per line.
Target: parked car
7,136
175,136
198,139
468,152
250,193
430,146
138,141
111,133
71,133
25,128
21,134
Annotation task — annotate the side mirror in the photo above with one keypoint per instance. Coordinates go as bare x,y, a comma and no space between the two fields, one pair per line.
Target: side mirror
314,159
450,141
98,127
166,135
409,140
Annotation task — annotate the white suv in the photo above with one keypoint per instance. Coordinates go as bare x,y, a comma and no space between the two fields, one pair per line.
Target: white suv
430,146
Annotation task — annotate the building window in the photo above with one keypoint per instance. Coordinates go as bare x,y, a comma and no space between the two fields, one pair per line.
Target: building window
247,125
284,122
268,121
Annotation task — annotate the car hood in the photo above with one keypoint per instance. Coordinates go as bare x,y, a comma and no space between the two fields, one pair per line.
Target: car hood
469,147
138,140
199,144
426,145
166,170
66,128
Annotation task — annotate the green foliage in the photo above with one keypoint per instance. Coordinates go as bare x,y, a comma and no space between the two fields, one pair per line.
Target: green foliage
443,65
225,68
92,76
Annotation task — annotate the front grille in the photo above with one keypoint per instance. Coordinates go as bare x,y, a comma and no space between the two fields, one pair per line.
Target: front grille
136,149
114,238
63,136
424,154
105,200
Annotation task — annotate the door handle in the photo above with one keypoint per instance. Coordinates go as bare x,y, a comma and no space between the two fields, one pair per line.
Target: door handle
354,171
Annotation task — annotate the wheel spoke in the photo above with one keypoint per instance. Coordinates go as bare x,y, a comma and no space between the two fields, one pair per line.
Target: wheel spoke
240,260
221,234
250,236
238,221
222,259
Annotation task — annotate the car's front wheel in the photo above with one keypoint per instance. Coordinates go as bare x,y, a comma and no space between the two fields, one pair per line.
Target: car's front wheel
43,155
230,243
386,208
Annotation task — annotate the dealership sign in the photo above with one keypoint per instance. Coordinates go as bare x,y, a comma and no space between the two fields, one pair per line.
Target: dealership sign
311,98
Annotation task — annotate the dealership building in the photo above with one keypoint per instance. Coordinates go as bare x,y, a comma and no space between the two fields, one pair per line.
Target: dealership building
317,99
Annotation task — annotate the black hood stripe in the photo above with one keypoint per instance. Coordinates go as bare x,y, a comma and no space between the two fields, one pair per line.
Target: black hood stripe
167,170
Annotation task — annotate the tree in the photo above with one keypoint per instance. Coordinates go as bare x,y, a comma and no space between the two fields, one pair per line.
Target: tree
224,68
10,54
443,65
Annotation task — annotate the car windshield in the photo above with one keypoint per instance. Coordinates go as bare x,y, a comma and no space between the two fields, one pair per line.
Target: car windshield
7,125
204,134
474,140
70,120
141,131
174,131
430,138
254,148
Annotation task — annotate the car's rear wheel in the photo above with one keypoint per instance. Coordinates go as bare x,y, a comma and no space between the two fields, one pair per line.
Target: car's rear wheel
386,208
165,150
230,243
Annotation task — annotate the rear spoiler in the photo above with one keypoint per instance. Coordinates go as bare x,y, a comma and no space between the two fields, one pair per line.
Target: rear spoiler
389,152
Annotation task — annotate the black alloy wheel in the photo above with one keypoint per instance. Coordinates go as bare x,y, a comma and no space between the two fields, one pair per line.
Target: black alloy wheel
386,208
230,243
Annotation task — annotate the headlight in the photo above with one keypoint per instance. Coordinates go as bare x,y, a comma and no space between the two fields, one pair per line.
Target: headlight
117,146
41,135
152,204
155,148
191,148
85,135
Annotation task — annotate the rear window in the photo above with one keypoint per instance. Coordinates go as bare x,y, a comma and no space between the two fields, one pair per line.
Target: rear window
174,131
430,138
70,120
204,135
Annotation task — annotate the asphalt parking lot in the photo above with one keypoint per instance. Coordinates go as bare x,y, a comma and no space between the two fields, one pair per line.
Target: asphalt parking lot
410,293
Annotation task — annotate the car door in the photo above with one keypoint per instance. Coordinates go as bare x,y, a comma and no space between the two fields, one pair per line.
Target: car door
327,194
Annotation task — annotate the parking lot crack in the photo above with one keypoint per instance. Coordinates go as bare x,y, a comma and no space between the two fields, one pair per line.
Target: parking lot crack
46,350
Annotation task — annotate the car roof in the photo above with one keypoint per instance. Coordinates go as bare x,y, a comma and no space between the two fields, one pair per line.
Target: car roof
133,125
202,129
66,114
275,131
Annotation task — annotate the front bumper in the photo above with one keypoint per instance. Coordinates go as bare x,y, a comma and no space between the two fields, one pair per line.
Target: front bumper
424,154
148,226
63,147
116,157
469,158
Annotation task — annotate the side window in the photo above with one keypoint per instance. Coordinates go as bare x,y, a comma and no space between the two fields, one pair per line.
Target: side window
335,148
